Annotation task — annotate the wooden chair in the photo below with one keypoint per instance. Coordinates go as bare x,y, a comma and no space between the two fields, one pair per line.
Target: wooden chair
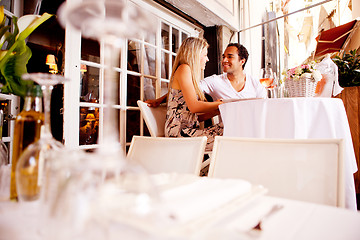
307,170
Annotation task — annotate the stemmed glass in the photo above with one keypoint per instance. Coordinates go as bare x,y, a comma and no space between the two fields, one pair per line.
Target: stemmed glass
93,181
32,163
267,79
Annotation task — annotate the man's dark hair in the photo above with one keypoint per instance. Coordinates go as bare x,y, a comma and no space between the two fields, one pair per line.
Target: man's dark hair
243,53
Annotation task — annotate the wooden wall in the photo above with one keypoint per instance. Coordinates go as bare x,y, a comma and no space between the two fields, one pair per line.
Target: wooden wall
351,99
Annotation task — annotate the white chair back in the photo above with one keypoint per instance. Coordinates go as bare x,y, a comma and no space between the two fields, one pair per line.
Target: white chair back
307,169
165,154
154,118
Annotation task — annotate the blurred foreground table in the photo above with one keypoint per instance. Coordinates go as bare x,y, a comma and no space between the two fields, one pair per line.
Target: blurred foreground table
297,118
203,214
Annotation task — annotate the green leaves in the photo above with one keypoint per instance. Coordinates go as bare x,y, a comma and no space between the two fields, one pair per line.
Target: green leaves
16,55
349,69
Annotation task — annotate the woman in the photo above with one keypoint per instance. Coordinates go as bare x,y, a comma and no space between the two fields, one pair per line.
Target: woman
186,102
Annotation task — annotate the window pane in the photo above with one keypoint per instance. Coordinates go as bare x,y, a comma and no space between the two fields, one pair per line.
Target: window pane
89,84
133,56
133,90
164,65
89,125
132,124
175,40
149,88
184,36
7,5
4,105
165,36
90,50
149,61
164,88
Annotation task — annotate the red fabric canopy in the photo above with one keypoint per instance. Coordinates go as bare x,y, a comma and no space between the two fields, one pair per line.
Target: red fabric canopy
332,40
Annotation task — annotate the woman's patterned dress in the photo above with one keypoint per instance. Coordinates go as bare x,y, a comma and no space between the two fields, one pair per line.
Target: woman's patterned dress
180,122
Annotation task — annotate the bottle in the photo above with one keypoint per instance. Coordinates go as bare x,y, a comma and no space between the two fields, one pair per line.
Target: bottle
27,130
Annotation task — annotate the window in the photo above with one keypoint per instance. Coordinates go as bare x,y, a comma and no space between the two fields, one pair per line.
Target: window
10,104
143,73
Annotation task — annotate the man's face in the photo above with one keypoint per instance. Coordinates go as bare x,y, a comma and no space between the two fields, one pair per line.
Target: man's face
231,61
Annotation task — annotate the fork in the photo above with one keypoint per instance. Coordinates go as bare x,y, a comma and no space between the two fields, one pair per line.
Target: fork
273,210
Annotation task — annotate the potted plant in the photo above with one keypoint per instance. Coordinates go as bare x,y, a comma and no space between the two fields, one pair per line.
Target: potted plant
14,54
348,68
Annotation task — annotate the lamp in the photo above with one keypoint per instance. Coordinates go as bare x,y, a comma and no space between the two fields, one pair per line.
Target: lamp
83,68
50,60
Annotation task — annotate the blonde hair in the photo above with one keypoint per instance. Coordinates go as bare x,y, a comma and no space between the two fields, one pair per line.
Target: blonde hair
189,53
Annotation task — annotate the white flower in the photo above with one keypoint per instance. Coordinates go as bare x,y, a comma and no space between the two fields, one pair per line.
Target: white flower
298,70
316,75
306,75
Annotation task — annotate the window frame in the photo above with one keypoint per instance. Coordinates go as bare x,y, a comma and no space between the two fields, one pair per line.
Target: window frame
73,62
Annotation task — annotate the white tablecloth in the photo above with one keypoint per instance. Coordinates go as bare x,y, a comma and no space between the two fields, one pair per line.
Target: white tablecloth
298,118
232,220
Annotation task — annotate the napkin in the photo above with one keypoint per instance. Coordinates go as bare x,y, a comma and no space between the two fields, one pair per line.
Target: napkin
191,201
331,85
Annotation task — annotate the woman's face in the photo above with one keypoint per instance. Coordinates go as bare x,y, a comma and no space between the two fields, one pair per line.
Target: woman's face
203,58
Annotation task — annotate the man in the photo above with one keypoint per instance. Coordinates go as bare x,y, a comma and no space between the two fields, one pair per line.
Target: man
234,83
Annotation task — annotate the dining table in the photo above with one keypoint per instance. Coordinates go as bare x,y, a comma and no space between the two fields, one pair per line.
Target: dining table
200,208
294,118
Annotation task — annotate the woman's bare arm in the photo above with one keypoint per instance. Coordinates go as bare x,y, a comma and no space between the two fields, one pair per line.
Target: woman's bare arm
205,116
183,80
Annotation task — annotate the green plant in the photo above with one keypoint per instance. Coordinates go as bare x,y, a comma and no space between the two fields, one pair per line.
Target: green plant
14,54
349,69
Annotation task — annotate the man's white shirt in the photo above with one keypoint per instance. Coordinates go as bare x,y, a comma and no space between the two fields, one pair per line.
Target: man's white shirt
219,86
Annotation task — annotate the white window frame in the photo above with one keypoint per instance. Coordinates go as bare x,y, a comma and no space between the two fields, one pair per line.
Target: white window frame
14,101
73,60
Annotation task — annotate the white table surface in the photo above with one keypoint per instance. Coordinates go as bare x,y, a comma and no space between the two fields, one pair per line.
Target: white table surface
298,118
296,220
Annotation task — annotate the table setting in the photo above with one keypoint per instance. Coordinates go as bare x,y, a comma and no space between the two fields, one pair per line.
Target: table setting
189,207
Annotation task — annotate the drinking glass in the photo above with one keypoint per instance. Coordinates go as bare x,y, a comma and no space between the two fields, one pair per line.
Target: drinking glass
32,163
267,79
100,189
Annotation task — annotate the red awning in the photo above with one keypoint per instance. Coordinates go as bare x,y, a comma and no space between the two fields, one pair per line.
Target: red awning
333,40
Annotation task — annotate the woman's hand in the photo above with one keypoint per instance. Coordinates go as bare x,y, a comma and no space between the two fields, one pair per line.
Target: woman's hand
156,102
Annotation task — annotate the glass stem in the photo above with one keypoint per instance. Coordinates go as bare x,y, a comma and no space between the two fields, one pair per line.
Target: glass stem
47,90
109,142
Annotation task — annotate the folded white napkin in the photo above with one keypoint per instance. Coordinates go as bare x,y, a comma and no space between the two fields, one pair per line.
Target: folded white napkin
194,200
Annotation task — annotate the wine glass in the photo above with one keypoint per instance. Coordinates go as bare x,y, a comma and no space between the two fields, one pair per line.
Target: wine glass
267,79
93,181
32,163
